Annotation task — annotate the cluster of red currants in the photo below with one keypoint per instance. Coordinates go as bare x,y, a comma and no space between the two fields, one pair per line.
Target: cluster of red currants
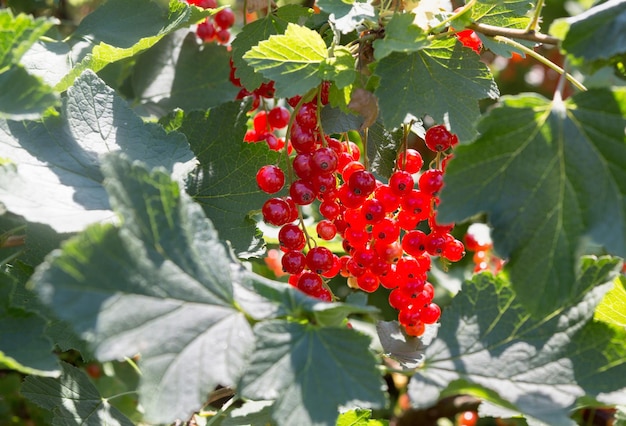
216,29
478,240
377,222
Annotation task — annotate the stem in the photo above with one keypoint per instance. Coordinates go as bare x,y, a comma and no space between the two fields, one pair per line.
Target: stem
532,25
454,16
245,12
548,63
493,31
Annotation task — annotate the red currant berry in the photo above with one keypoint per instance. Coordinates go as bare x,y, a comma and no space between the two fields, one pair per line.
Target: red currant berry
401,183
469,38
206,31
390,200
430,313
454,250
386,231
431,181
310,283
222,36
324,160
362,183
307,116
319,259
414,242
417,203
326,230
270,179
302,192
368,282
291,237
276,212
410,161
416,329
438,138
436,242
224,19
467,418
278,117
372,211
293,262
260,122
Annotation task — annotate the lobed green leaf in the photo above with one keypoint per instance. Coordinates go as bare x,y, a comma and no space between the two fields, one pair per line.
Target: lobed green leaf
310,372
291,59
445,81
536,365
72,399
548,174
55,177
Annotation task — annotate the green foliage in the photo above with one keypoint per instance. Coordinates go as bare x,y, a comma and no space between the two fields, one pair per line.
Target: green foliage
536,365
129,213
22,95
94,120
543,161
72,399
445,81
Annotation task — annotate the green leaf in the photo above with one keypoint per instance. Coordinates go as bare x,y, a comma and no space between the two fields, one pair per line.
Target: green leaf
48,60
407,350
548,174
445,81
359,417
173,74
401,35
598,33
311,372
23,346
159,286
257,31
120,29
224,183
504,13
55,178
340,67
382,148
72,399
612,309
536,365
292,60
348,15
250,413
23,96
18,34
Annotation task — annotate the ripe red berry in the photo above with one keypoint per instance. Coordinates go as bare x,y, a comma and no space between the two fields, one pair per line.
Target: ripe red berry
401,183
368,282
319,259
414,242
260,122
293,262
438,138
270,179
430,313
224,19
278,117
467,418
302,192
326,230
410,161
291,237
206,31
310,283
324,160
276,212
222,36
469,38
454,250
362,183
431,181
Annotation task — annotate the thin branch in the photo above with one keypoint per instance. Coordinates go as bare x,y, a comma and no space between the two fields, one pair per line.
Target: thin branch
536,16
492,31
548,63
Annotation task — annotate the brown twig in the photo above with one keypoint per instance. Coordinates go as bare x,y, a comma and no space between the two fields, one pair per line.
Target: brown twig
490,30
